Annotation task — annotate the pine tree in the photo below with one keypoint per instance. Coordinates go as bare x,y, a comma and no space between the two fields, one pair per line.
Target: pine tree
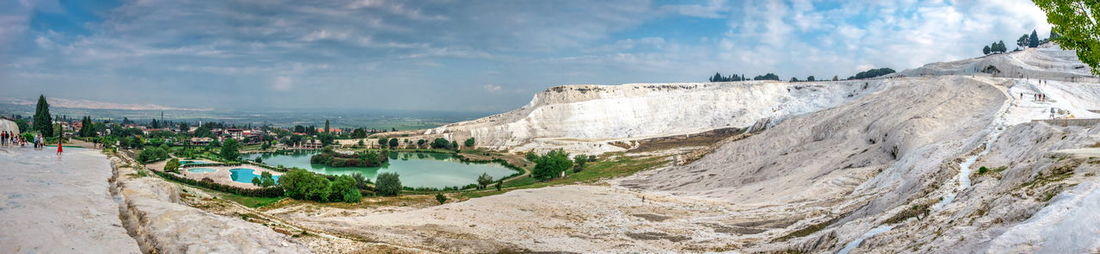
1022,41
43,123
986,50
326,126
1033,41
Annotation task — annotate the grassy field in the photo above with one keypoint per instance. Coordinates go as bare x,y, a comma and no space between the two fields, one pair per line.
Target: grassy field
253,202
600,170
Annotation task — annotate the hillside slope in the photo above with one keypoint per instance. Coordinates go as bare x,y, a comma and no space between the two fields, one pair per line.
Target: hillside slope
586,118
895,167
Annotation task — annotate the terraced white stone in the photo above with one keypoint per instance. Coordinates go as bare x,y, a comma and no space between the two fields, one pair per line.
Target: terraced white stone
585,118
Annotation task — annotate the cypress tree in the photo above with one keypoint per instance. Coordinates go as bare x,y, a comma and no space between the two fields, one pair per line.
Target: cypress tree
326,127
43,122
1033,41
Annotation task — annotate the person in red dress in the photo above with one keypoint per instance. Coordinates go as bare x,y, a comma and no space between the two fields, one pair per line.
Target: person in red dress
59,146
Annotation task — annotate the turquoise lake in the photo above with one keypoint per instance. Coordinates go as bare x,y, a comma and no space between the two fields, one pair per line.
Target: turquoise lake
437,170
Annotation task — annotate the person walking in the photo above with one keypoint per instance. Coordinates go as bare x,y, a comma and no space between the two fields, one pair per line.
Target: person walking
59,147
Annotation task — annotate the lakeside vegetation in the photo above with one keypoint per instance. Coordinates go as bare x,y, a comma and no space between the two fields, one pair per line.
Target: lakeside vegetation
161,140
330,157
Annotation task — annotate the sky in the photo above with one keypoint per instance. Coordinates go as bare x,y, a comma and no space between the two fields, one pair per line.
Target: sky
471,56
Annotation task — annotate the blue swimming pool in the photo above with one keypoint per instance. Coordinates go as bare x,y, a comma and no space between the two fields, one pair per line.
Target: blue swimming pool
245,175
202,170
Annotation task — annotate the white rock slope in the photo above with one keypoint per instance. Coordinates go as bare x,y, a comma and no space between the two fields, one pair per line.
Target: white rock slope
585,118
51,204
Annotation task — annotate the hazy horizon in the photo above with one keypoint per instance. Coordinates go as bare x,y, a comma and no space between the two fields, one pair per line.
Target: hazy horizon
477,56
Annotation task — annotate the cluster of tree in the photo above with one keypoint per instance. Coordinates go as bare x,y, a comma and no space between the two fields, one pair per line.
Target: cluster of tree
550,165
330,157
388,184
305,185
872,73
997,47
808,79
230,150
769,76
470,142
87,128
1031,41
442,143
266,180
580,160
719,78
152,154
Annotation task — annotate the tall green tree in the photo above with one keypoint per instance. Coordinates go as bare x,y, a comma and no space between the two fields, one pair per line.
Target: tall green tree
230,150
43,121
1022,41
327,127
87,127
1076,22
1033,41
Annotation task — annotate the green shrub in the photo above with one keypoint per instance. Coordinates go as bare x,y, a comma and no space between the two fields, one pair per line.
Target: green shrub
173,166
344,189
388,184
266,179
484,180
552,164
983,170
152,154
302,184
439,197
360,181
441,143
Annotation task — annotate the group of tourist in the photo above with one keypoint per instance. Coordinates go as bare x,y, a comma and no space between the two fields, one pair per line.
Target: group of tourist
11,139
1036,96
8,138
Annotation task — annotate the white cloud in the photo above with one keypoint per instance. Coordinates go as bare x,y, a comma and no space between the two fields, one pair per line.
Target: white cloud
282,83
712,9
864,67
492,88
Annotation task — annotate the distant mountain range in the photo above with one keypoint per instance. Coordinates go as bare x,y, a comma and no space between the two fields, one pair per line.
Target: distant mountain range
89,104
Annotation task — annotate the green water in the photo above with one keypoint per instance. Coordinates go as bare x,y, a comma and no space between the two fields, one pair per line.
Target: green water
435,170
